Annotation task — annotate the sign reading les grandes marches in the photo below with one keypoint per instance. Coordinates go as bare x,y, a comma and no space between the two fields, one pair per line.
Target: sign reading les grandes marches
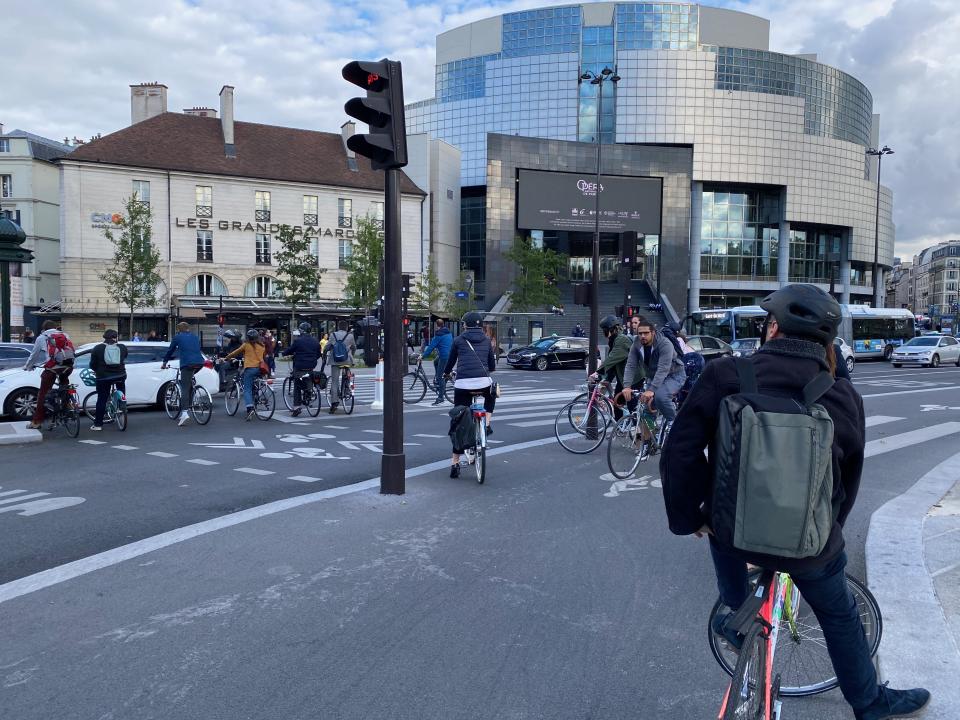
566,201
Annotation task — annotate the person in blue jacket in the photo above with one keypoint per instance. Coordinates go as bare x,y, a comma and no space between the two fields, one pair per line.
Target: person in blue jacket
306,352
442,342
187,345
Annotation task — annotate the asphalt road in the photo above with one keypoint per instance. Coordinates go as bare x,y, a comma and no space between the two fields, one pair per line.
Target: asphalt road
550,592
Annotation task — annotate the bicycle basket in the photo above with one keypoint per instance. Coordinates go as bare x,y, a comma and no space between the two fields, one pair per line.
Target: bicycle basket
320,379
89,377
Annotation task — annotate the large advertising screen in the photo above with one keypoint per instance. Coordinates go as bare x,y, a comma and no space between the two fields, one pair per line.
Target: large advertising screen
566,201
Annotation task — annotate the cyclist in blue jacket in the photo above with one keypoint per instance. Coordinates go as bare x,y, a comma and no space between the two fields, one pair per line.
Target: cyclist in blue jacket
187,345
442,342
306,352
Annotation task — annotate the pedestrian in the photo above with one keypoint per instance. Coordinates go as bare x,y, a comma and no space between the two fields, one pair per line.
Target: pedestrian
341,348
186,346
577,330
441,344
323,341
28,336
254,354
108,362
136,337
511,337
306,352
792,363
270,347
54,352
152,336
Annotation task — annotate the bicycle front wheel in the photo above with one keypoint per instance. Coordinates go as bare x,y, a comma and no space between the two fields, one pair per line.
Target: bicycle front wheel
90,406
625,447
202,406
346,398
266,401
746,696
287,393
414,388
171,400
119,413
800,657
71,417
580,428
231,400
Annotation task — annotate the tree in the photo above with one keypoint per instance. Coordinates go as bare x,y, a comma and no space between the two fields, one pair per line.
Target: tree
132,279
298,274
458,307
429,292
537,268
363,265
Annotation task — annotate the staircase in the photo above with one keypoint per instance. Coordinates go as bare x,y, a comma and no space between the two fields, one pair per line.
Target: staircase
611,295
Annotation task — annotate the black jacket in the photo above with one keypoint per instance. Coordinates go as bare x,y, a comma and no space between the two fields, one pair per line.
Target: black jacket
479,362
306,352
104,371
783,366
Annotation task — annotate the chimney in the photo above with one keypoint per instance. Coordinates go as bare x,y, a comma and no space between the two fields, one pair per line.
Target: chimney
226,120
200,112
147,100
346,132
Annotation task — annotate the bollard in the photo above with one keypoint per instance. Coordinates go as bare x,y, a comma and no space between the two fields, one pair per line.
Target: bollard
378,388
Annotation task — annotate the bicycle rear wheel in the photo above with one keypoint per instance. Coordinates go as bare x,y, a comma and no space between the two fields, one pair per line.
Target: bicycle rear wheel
71,417
414,388
800,658
346,397
171,400
201,406
746,695
625,448
480,454
266,400
312,399
579,427
287,393
231,400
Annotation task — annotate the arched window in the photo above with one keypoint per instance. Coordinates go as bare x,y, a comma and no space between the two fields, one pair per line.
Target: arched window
261,286
205,284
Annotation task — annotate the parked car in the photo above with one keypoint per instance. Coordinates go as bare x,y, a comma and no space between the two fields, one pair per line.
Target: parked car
745,346
14,355
146,382
844,352
569,352
710,347
929,350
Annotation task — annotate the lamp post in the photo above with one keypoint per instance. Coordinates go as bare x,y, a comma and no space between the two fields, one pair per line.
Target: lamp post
596,79
876,223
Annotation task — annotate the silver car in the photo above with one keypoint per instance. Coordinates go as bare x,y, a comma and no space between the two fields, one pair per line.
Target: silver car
928,350
14,355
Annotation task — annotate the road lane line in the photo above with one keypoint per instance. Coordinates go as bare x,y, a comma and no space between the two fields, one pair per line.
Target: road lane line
426,435
124,447
201,461
254,471
912,392
93,442
304,478
108,558
909,439
874,420
159,454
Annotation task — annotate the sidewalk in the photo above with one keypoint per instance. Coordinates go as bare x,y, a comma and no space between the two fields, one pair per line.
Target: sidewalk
913,569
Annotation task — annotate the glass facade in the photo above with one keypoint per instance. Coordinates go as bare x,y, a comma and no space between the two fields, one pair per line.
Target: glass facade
462,79
473,240
808,253
597,53
543,31
739,233
655,26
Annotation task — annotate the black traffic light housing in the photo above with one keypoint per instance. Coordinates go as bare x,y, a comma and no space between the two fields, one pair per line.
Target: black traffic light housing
381,109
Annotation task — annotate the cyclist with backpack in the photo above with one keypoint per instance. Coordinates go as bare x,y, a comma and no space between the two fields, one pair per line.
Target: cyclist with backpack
618,349
801,481
53,351
306,353
340,348
107,362
191,360
659,355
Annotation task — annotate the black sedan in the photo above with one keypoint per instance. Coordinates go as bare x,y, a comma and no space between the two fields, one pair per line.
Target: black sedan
710,347
564,352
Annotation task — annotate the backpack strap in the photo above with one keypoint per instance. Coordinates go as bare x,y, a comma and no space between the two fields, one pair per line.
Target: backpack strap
815,389
748,378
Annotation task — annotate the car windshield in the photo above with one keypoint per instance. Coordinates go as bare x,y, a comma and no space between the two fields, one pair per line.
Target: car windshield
543,344
923,342
745,344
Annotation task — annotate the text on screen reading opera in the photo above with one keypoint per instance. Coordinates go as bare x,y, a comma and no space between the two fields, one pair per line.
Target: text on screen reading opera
566,201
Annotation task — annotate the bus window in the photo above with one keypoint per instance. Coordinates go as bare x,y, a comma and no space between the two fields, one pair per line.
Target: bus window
747,326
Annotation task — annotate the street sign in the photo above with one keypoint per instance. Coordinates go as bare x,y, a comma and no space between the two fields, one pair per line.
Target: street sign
460,294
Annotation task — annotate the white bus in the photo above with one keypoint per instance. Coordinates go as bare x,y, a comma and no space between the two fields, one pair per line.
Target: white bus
871,332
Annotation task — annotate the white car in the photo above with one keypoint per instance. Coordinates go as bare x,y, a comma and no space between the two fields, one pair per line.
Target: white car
146,382
930,350
846,353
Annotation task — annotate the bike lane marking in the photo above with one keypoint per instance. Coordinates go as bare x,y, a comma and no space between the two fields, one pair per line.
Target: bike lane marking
93,442
201,461
304,478
124,447
254,471
159,454
874,420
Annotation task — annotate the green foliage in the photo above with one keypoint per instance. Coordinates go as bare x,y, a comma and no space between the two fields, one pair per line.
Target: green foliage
429,293
298,275
131,280
363,265
458,307
534,286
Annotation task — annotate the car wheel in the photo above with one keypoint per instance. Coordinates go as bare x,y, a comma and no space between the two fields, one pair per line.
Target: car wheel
935,361
850,364
22,403
542,363
897,365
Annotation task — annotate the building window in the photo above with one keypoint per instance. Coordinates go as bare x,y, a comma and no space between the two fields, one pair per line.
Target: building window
205,284
6,186
315,248
262,206
344,213
141,191
345,250
204,246
310,210
261,286
376,210
473,245
739,234
4,145
263,249
204,201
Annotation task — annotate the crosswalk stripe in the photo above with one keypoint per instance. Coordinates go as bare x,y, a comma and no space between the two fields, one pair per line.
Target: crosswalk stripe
911,438
253,471
201,461
874,420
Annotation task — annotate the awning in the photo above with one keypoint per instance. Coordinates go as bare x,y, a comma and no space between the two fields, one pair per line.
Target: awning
192,313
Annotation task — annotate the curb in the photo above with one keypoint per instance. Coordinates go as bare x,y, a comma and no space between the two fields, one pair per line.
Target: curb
16,433
918,649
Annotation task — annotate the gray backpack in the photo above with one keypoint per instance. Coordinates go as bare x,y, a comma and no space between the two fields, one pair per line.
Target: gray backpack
773,475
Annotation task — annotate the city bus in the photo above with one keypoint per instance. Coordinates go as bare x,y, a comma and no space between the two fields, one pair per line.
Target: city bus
871,332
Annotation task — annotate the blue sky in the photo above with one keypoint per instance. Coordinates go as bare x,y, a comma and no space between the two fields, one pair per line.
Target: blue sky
68,65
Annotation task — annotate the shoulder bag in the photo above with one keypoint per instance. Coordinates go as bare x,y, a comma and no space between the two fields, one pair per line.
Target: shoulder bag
494,385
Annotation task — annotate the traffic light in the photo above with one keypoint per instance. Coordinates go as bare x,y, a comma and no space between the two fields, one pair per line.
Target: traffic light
220,320
406,322
405,290
381,109
618,311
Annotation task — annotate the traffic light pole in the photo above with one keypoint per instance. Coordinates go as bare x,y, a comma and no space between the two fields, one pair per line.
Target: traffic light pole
393,462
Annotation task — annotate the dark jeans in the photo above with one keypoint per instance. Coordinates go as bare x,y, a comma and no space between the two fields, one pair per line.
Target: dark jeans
300,378
103,394
186,386
47,378
439,380
464,397
825,591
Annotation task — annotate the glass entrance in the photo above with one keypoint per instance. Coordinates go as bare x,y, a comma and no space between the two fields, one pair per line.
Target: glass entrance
580,269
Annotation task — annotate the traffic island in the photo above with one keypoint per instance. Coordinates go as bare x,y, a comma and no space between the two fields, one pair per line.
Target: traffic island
17,433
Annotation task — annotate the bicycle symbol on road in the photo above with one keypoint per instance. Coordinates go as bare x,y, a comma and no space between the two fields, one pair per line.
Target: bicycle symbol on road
618,487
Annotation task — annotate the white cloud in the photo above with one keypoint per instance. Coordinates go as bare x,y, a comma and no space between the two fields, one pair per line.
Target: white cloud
68,64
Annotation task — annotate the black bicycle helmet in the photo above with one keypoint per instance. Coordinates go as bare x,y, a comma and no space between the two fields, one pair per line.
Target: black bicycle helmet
110,335
804,310
473,319
231,334
675,326
609,323
252,335
304,328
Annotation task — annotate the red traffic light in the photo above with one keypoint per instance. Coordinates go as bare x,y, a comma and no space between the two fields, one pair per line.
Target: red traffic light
372,78
406,321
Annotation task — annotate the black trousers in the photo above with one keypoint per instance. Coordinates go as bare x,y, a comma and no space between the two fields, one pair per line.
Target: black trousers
463,397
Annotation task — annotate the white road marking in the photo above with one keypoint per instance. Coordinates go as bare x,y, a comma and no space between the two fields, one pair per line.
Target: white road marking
532,423
254,471
237,444
494,441
334,427
427,435
124,447
294,438
201,461
162,454
913,392
18,498
874,420
520,416
909,439
304,478
35,507
93,442
377,432
304,452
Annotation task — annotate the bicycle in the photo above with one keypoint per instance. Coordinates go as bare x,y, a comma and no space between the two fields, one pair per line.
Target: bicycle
416,383
589,414
477,456
783,653
116,407
63,408
346,390
201,404
311,385
264,399
635,437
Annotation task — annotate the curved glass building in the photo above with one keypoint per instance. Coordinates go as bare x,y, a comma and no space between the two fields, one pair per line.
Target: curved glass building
761,155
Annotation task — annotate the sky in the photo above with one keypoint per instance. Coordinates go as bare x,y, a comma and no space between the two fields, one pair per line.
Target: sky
68,66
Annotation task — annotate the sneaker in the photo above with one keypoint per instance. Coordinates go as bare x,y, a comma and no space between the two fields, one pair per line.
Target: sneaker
720,627
455,470
250,413
33,426
895,704
295,412
438,401
184,419
489,430
333,408
96,428
469,455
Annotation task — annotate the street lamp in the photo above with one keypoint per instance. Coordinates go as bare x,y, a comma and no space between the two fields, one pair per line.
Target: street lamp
876,223
596,79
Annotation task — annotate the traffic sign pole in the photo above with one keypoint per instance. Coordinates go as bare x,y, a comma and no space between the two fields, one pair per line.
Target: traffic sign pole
393,462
